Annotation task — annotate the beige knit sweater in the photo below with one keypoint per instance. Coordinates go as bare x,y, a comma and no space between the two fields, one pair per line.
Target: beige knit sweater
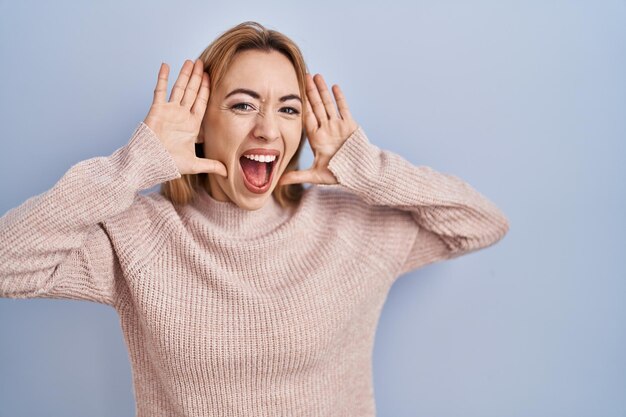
228,312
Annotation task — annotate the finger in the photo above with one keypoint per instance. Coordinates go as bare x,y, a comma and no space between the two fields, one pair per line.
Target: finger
210,166
316,101
194,83
310,121
200,105
342,103
297,177
160,91
181,82
327,99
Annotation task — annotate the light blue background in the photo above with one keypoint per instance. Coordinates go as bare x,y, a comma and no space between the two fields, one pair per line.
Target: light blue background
525,100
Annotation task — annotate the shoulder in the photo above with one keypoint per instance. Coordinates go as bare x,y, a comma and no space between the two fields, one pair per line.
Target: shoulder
146,211
380,233
140,231
340,206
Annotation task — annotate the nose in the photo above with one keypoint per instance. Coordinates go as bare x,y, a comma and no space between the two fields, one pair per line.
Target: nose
266,126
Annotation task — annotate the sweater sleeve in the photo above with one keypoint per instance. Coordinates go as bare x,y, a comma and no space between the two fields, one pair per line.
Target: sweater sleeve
451,218
54,244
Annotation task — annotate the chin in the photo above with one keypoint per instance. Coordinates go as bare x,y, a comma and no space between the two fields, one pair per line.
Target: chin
248,200
255,203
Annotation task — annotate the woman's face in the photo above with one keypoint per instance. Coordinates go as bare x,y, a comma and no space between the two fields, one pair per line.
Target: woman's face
264,117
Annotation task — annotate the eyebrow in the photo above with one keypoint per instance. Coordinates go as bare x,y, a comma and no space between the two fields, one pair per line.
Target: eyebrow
256,95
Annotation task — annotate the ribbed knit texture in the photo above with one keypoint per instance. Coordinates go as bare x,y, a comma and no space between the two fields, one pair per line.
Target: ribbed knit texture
229,312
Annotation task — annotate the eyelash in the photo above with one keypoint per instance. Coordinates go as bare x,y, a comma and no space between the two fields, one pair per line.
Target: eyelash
236,107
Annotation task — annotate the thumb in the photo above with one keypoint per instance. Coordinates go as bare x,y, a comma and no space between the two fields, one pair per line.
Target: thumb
297,177
209,166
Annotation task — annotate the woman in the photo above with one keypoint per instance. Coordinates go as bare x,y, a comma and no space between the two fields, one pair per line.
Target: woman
239,291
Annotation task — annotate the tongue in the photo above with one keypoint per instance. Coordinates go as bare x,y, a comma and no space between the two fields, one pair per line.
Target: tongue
257,173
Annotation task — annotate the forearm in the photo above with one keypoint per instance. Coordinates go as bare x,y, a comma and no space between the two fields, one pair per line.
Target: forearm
460,216
38,235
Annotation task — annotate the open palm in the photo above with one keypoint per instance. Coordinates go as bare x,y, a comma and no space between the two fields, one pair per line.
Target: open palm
327,128
177,122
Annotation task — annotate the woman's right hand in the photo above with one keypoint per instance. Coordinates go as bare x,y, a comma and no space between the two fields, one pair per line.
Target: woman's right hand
177,122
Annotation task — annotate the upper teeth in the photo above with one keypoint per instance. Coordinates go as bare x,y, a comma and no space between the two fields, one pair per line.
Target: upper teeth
261,158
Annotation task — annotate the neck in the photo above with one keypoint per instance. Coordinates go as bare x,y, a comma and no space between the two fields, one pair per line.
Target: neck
214,190
236,222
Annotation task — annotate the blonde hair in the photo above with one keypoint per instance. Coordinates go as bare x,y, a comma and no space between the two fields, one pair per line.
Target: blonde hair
217,57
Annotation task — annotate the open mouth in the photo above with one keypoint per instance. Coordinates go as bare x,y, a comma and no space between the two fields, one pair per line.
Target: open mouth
257,175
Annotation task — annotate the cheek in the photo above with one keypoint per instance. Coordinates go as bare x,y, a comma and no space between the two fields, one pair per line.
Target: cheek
292,145
292,133
224,137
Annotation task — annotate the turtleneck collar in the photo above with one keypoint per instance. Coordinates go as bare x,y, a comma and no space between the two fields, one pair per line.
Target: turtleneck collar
234,220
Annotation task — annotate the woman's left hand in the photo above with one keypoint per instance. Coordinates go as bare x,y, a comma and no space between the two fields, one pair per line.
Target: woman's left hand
326,128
